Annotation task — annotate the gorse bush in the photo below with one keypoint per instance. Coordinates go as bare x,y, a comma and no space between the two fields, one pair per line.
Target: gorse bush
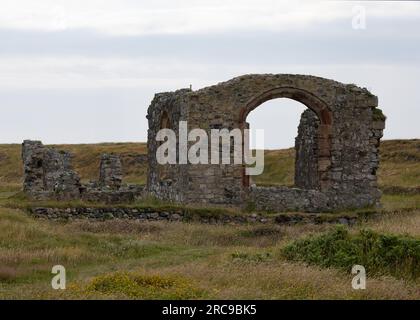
380,254
140,286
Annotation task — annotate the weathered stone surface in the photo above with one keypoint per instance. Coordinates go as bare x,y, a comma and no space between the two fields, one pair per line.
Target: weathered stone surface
124,195
181,215
110,172
306,146
33,166
48,173
167,182
280,199
337,156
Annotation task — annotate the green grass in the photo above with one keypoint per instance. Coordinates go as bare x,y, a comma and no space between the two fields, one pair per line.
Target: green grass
392,202
126,259
278,168
400,163
399,166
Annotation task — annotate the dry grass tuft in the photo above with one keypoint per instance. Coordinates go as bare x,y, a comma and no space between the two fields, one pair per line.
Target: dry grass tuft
404,223
116,226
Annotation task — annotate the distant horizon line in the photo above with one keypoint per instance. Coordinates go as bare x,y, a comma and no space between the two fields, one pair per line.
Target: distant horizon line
145,142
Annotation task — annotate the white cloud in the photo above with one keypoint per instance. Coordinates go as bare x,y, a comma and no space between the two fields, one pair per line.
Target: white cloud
71,60
90,73
186,16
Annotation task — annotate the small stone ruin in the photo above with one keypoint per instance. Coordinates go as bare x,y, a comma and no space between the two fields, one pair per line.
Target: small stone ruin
49,175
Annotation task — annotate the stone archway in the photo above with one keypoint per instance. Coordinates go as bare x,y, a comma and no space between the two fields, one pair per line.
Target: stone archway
312,102
348,138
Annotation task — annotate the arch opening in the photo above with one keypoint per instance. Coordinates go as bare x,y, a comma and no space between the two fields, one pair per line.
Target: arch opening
279,118
312,144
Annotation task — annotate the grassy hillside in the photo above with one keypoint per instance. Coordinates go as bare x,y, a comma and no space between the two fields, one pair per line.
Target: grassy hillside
86,161
399,167
400,163
148,260
117,259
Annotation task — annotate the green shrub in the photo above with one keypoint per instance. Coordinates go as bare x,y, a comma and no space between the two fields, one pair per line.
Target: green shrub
380,254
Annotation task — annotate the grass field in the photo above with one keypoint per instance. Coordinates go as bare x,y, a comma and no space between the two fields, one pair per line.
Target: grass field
130,259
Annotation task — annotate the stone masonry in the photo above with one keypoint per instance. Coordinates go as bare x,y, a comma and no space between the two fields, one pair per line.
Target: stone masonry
110,172
337,144
48,175
337,150
306,146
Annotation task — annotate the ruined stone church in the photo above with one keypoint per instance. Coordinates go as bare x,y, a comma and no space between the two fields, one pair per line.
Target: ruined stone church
337,150
337,153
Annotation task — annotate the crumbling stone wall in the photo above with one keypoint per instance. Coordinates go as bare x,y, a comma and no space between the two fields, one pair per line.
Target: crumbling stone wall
110,172
306,146
33,166
345,146
167,182
281,199
48,174
184,215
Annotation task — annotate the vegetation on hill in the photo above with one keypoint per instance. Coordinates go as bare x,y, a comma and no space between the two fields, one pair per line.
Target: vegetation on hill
379,253
86,162
400,163
132,259
150,260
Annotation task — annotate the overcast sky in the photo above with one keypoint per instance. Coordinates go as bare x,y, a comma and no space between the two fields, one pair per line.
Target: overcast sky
75,71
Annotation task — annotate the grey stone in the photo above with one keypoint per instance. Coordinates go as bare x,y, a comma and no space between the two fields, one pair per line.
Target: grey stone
110,172
48,173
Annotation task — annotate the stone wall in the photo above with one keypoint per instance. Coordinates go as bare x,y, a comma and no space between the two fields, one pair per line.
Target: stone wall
184,215
306,147
281,199
48,175
167,182
110,172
